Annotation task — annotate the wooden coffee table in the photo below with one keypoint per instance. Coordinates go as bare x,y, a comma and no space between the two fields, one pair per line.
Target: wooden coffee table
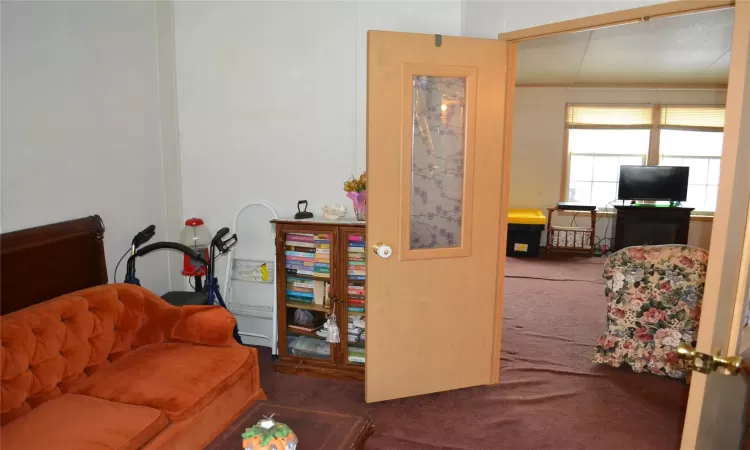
316,430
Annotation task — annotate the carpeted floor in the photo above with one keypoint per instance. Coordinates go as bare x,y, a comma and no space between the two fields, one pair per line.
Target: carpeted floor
550,396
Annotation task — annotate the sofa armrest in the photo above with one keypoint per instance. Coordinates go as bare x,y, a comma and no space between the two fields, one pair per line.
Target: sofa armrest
205,325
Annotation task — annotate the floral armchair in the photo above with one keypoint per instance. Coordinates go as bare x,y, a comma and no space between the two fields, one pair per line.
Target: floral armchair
654,296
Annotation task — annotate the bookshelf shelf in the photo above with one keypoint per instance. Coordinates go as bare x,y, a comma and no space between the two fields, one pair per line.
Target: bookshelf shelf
307,306
303,333
304,249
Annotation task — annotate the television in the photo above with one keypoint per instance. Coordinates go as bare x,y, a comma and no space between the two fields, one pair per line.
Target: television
653,183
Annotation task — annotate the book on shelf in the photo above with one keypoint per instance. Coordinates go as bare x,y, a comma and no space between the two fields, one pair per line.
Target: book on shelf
297,237
357,262
300,293
356,354
305,255
322,251
356,249
308,273
354,237
355,297
320,290
359,303
300,282
307,246
294,248
296,260
300,290
356,309
356,272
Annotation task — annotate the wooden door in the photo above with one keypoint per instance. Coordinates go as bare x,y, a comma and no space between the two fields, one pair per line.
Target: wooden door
717,403
435,182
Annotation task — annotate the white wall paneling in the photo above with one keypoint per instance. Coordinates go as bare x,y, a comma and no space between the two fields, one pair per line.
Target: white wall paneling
81,129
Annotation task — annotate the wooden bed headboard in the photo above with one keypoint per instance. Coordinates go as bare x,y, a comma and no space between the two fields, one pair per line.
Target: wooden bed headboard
40,263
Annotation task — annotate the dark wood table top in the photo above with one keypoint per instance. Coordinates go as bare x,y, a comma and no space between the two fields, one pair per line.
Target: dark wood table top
316,430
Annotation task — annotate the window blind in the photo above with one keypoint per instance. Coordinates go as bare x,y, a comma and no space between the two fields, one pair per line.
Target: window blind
583,116
696,117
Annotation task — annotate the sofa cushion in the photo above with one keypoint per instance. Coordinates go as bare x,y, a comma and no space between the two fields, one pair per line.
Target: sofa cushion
179,379
74,422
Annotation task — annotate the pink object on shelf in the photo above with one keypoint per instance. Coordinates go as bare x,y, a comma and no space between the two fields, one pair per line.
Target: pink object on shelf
359,201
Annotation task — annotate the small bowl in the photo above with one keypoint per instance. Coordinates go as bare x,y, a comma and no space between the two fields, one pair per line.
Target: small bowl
333,212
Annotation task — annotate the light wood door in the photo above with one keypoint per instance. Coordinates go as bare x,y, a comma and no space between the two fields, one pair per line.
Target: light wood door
717,402
435,182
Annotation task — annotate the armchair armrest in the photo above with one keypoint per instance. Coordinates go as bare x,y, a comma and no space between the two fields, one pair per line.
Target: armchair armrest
205,325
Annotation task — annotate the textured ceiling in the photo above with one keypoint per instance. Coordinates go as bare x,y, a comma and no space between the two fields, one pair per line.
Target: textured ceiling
686,49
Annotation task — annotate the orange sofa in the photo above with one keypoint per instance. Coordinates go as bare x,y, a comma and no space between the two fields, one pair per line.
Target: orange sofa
116,367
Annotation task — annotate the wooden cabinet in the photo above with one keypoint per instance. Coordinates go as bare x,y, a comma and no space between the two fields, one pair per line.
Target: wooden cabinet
645,225
314,255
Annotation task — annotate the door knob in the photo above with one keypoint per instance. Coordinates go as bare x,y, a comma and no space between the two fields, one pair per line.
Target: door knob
703,363
382,250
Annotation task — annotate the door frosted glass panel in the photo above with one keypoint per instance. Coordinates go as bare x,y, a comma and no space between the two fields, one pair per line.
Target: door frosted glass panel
438,154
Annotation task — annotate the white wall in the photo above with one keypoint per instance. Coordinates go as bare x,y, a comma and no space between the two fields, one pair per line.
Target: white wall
81,129
272,98
538,131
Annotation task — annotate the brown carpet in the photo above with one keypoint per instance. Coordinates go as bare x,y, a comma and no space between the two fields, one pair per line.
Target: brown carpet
550,396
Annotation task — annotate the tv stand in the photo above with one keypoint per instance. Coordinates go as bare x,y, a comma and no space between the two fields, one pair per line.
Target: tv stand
651,225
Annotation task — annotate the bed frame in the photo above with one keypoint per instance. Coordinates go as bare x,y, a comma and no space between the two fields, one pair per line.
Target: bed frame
37,264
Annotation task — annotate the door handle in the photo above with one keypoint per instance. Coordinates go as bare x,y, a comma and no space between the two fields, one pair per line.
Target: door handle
703,363
382,250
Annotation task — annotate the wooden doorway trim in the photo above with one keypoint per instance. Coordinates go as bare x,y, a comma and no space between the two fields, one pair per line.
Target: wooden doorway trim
570,26
615,18
723,310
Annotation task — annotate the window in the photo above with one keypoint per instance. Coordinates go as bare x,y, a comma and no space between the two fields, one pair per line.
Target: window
693,137
602,138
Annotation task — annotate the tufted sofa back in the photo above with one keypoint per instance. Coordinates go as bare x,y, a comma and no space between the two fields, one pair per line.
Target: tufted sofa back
50,347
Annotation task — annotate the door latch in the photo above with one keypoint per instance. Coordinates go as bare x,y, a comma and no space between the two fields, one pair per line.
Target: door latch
703,363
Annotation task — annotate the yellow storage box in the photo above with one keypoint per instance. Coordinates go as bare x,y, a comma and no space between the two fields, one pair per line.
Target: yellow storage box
525,228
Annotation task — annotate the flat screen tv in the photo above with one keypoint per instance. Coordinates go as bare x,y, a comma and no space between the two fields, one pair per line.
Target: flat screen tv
653,183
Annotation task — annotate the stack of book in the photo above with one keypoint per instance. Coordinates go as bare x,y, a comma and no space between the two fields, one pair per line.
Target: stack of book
322,259
305,290
356,274
356,355
308,254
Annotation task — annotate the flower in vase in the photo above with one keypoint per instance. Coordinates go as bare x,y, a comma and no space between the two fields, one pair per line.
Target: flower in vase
356,190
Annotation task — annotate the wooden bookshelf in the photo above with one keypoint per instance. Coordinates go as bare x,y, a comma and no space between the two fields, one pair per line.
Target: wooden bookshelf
311,245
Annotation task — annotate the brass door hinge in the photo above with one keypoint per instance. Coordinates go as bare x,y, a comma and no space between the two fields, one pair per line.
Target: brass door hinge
703,363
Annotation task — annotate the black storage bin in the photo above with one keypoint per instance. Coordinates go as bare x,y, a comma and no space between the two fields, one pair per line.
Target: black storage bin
523,240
